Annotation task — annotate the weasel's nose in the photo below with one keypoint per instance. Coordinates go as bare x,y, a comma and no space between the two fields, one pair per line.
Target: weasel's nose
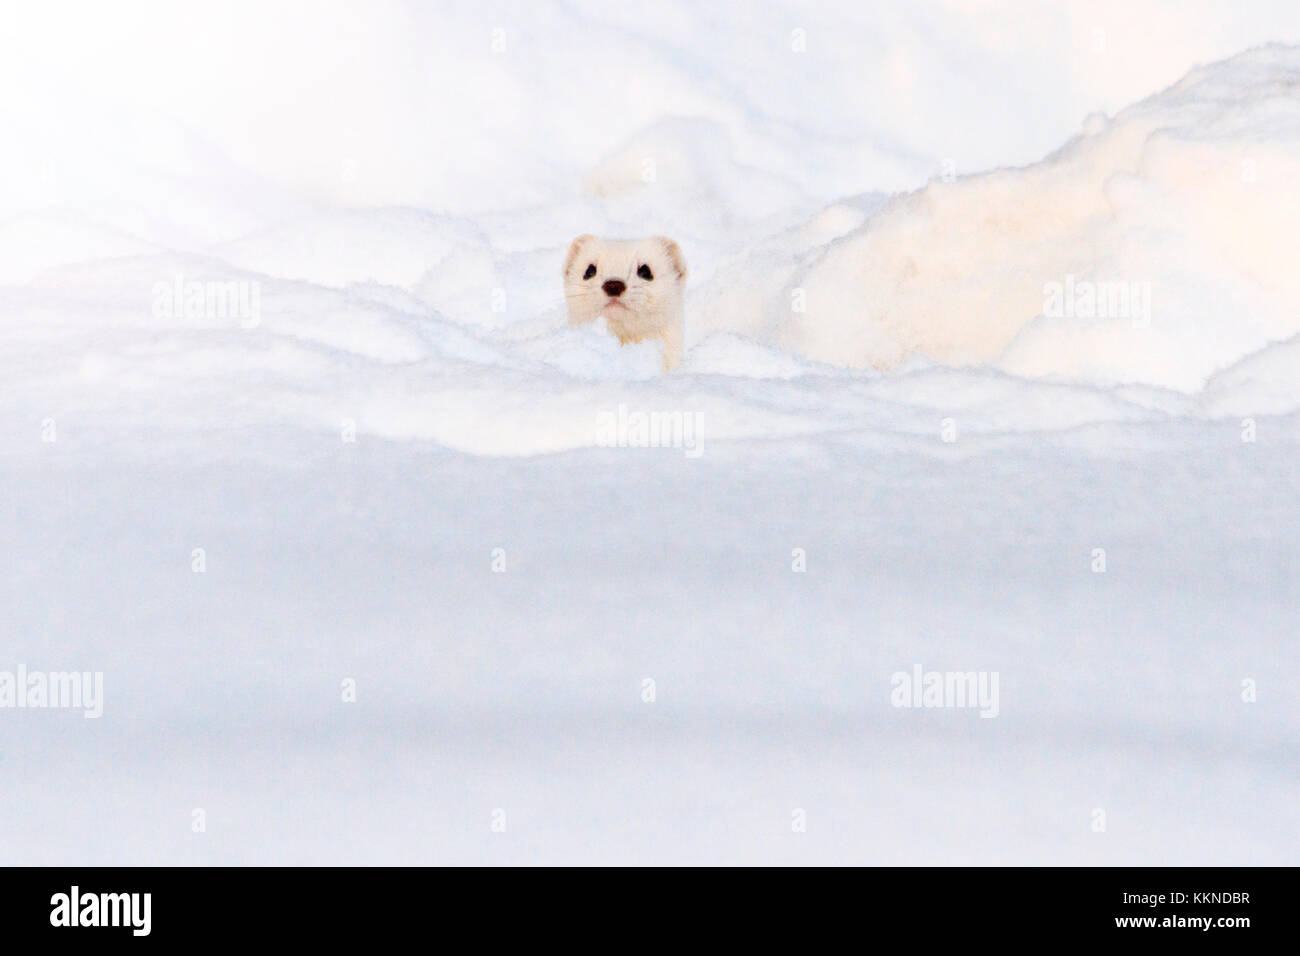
614,287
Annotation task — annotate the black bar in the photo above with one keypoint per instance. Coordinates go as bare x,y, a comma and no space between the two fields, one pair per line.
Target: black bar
335,906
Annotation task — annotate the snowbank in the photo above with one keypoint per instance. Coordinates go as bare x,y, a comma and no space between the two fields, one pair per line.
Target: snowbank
1147,256
1154,248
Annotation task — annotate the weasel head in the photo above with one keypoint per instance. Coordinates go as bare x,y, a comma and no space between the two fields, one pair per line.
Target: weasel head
637,284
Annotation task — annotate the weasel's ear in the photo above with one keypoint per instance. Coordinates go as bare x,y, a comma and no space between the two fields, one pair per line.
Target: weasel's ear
575,247
674,253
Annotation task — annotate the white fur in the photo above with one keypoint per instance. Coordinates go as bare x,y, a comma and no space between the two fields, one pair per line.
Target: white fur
649,309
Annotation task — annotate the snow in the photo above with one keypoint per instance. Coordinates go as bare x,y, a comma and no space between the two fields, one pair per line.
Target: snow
876,379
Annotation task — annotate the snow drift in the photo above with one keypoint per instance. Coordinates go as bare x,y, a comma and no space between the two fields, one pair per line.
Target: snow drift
1155,248
1145,257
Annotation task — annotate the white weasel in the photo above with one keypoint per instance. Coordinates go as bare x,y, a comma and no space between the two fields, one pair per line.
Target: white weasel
638,285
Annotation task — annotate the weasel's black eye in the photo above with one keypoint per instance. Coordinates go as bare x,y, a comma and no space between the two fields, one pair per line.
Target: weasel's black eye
645,273
591,271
